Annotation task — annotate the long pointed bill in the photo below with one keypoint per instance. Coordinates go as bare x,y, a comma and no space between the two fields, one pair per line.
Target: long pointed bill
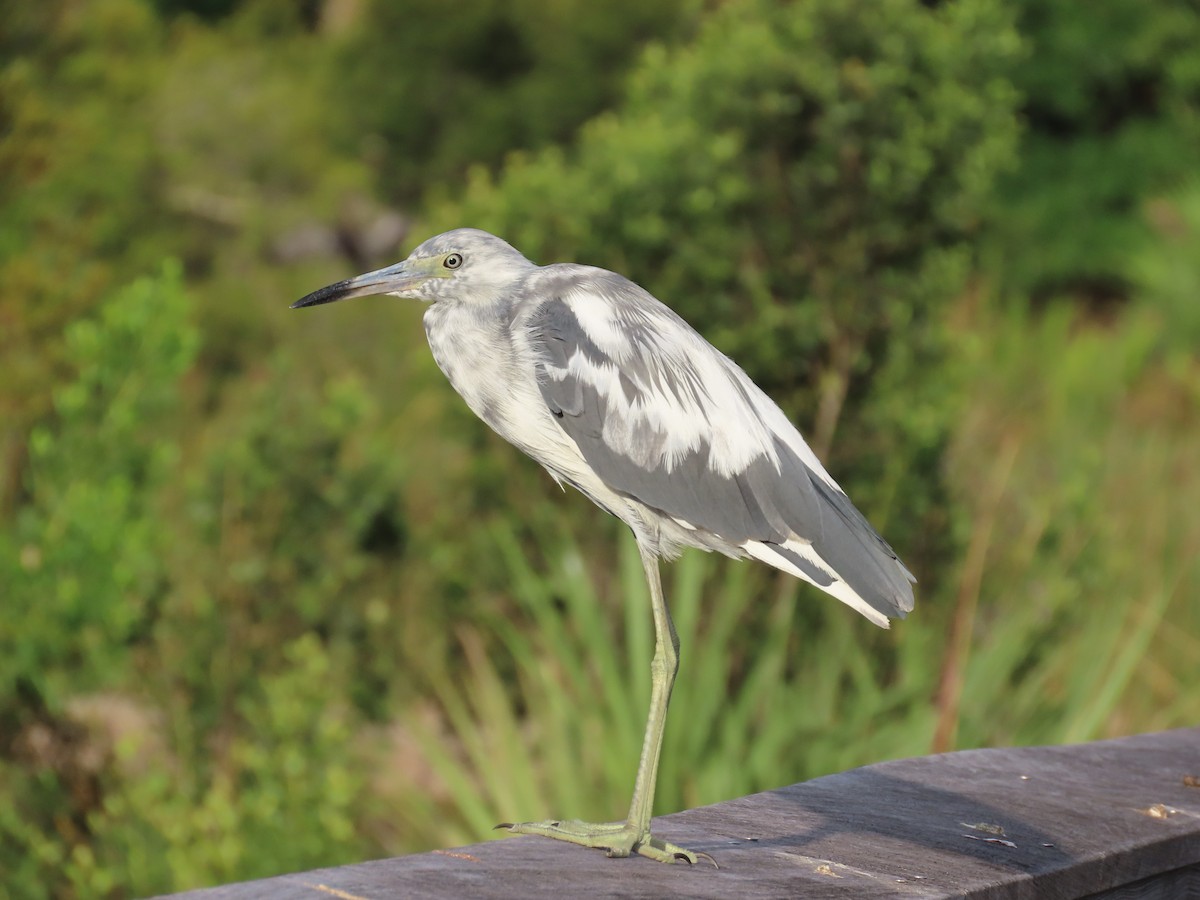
395,278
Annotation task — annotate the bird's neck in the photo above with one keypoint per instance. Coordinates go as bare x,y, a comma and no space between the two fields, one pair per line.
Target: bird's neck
472,344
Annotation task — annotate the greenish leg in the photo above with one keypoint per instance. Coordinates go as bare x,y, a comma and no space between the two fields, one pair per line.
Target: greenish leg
633,835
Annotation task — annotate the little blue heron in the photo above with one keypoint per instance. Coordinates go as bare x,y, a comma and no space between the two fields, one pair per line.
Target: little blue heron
617,396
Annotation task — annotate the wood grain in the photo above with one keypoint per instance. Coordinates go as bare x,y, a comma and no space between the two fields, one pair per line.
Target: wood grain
1107,819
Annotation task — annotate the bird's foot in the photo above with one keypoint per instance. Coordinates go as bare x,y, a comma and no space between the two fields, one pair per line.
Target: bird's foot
615,838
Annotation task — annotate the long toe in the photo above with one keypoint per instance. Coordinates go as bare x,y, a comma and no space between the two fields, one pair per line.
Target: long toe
664,852
618,839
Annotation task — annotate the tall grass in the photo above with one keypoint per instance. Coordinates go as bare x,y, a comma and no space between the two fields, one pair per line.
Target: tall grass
1090,575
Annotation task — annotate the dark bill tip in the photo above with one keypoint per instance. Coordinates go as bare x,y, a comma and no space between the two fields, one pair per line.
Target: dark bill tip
392,280
327,294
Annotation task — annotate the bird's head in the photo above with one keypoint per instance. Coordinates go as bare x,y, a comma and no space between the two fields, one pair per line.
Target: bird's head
465,264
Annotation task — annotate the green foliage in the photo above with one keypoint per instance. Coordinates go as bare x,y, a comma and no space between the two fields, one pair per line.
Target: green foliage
1079,480
116,151
449,88
178,727
85,553
82,564
1112,112
292,502
75,174
283,794
1166,269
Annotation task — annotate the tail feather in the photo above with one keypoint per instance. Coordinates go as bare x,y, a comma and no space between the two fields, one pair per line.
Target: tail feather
802,560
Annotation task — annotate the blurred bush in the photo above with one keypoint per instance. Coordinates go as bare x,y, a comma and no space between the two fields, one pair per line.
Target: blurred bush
84,555
82,563
1165,268
174,714
271,598
426,91
77,180
1111,108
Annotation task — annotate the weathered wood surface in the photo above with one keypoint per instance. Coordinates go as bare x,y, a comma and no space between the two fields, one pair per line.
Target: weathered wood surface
1110,819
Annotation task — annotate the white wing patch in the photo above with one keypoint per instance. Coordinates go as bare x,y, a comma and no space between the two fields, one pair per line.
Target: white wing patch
684,396
780,425
738,431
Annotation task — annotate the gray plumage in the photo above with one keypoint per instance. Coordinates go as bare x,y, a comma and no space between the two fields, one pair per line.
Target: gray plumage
773,498
616,395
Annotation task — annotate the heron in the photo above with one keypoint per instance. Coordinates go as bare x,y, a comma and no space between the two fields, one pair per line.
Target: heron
614,394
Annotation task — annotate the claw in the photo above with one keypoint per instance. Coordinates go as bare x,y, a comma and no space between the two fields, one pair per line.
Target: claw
504,826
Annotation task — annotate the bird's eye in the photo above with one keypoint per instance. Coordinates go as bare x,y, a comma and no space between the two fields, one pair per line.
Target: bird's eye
453,261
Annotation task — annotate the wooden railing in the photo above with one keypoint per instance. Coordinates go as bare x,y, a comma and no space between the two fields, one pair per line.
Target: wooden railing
1117,818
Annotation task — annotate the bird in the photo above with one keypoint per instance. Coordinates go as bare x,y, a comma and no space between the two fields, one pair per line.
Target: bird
614,394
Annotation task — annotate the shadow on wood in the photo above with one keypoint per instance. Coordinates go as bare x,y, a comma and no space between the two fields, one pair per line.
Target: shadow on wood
1111,819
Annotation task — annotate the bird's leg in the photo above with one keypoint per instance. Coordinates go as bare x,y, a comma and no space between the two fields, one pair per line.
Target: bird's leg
663,669
633,835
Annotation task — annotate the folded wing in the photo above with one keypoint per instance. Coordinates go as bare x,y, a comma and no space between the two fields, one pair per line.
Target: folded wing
664,418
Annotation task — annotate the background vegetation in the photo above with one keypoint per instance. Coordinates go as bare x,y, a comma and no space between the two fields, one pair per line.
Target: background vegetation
271,598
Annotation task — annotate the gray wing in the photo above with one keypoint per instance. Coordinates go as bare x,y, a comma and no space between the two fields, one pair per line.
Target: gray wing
662,417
